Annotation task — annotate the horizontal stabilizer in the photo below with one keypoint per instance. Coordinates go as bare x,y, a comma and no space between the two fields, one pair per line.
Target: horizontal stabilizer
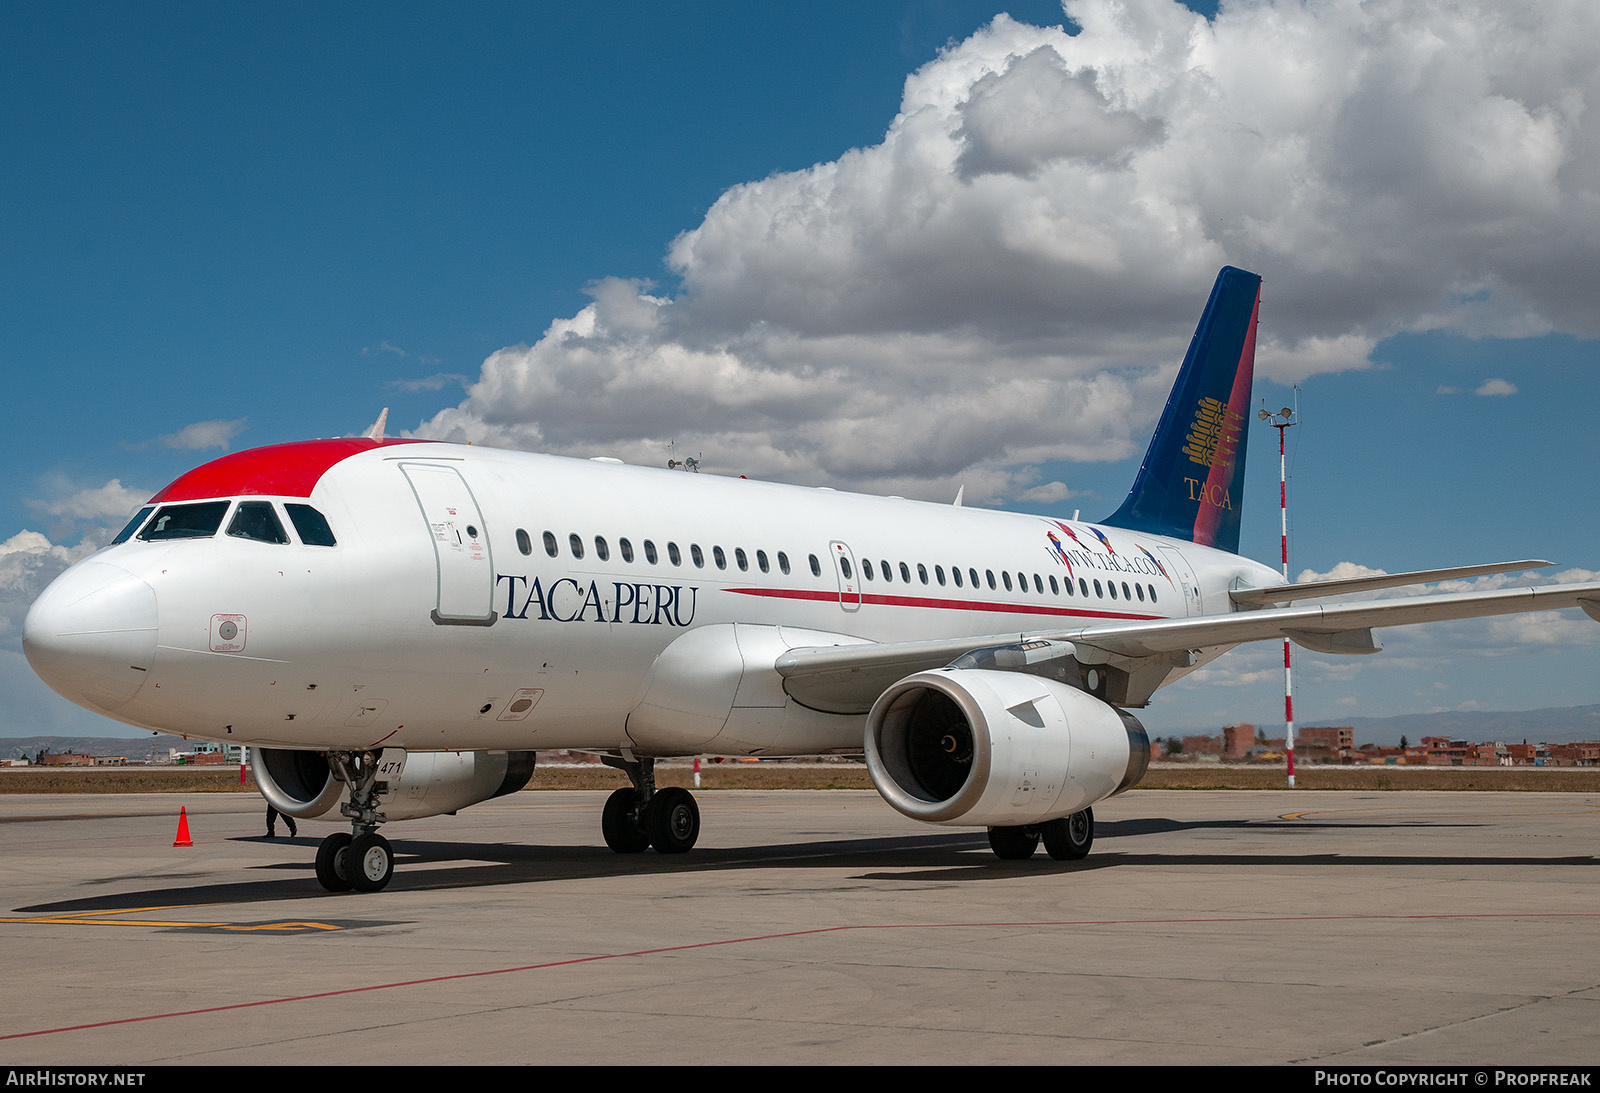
1288,593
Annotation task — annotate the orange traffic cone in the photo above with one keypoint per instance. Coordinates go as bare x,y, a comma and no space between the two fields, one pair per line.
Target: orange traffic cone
183,829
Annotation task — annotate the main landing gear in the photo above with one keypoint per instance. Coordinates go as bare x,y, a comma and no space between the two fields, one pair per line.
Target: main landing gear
641,816
1066,839
362,859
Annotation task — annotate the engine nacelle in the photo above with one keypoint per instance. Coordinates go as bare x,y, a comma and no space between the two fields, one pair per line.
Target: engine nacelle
992,748
302,784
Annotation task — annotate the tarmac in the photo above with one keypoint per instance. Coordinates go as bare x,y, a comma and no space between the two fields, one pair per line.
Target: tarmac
1206,927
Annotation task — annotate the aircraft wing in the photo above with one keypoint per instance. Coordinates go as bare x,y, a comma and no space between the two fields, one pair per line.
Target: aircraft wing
849,678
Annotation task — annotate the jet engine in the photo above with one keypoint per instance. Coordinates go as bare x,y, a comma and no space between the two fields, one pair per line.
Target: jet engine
302,784
982,747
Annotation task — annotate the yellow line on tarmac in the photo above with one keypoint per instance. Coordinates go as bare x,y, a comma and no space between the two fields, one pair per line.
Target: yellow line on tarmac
101,918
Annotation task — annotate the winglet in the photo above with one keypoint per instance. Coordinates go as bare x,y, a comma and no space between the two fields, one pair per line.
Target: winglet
376,432
1191,484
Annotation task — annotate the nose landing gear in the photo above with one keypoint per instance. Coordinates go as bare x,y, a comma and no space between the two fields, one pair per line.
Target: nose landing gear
361,859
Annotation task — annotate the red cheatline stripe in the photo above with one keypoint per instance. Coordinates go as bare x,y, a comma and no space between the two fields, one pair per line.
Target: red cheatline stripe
948,605
1280,919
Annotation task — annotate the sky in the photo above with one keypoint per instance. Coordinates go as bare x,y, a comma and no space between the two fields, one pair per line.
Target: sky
891,247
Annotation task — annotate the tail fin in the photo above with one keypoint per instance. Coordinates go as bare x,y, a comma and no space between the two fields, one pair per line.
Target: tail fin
1191,484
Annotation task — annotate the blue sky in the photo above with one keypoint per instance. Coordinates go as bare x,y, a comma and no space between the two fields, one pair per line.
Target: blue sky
896,247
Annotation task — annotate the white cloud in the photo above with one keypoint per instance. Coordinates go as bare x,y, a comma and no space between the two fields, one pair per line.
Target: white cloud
203,435
436,382
1496,387
1342,571
1049,493
110,501
1012,273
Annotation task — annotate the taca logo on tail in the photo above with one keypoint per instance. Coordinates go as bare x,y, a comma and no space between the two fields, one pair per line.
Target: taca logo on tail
1191,483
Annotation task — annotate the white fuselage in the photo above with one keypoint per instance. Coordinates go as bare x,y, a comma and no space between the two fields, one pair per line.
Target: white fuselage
414,632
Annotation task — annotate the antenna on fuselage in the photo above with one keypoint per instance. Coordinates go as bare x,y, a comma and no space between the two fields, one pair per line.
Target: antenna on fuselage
692,464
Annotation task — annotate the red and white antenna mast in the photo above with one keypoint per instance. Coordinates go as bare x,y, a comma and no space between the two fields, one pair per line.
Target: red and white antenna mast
1282,421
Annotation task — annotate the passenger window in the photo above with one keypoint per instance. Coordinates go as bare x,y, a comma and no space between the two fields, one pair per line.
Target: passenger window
741,559
311,526
1099,595
938,573
133,525
1005,576
888,574
816,566
1022,582
721,558
989,573
866,568
626,548
601,551
1055,590
844,566
550,547
783,563
697,556
922,573
1083,586
973,574
761,561
905,573
1038,585
576,544
256,520
185,521
955,572
650,551
1111,587
524,543
1125,594
1139,590
1152,593
673,554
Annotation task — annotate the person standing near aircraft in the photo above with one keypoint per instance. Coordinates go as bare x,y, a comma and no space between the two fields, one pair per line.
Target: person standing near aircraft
272,820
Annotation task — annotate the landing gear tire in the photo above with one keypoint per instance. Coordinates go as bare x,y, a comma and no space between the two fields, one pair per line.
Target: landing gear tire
619,823
333,857
369,862
672,820
1069,838
1013,843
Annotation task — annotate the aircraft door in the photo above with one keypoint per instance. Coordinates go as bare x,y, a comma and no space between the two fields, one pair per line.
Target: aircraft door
845,568
1185,577
460,544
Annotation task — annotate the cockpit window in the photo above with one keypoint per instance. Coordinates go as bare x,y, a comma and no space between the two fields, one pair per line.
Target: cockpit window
133,525
199,521
256,520
313,528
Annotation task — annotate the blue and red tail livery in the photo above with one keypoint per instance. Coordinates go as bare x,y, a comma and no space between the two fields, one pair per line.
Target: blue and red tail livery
1191,484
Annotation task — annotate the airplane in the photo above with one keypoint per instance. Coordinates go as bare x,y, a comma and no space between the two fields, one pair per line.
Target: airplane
398,625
